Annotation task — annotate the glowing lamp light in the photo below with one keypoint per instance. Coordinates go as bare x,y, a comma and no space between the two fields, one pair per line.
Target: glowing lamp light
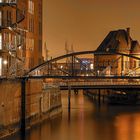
5,62
19,47
91,66
98,72
10,28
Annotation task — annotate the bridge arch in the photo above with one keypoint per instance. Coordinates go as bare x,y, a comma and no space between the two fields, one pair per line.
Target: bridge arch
74,57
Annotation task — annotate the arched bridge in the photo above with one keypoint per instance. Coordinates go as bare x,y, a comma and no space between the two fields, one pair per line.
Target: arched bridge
88,63
90,69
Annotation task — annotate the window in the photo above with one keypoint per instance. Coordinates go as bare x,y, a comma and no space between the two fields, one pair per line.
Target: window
0,41
127,64
0,18
31,7
139,63
31,25
0,66
40,28
9,18
40,47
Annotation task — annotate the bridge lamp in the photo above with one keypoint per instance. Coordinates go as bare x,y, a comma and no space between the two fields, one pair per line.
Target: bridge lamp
98,72
19,47
91,66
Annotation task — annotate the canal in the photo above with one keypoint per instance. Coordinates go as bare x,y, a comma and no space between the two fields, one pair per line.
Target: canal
88,121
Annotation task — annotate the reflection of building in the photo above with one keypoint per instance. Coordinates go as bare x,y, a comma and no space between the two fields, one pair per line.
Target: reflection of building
118,41
20,35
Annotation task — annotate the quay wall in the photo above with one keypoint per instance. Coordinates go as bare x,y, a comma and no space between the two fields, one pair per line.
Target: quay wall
40,103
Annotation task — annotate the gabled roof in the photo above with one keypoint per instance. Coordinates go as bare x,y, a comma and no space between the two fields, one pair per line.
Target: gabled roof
116,41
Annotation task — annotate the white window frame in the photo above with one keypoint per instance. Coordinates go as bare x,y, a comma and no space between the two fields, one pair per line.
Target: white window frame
0,66
0,18
0,41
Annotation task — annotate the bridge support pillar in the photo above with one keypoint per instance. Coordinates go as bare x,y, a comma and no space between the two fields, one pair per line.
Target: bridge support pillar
69,98
99,96
76,91
103,98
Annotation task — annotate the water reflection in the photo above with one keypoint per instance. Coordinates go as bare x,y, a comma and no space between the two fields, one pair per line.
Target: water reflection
86,121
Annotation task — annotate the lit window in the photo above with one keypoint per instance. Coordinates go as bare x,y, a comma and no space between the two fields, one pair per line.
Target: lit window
31,7
0,41
0,66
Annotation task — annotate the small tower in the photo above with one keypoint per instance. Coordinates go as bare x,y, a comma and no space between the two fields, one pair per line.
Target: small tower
66,48
46,52
72,48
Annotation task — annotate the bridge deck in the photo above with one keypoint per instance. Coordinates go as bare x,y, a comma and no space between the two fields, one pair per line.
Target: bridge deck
100,87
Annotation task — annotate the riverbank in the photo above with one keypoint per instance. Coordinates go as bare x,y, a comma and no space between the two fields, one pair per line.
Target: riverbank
40,104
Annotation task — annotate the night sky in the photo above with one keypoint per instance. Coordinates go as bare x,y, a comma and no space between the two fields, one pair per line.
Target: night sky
85,23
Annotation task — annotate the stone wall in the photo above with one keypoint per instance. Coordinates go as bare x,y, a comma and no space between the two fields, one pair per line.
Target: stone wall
40,104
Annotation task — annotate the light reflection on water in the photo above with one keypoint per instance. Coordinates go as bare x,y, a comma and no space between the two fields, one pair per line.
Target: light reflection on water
86,121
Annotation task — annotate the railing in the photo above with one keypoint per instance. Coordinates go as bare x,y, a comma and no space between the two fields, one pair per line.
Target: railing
96,83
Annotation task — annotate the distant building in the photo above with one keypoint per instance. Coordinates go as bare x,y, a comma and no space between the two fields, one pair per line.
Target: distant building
118,41
81,66
20,35
135,51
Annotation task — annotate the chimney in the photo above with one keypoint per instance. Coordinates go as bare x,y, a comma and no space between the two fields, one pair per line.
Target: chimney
128,31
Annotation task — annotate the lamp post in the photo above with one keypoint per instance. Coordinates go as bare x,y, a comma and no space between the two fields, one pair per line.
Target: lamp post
98,72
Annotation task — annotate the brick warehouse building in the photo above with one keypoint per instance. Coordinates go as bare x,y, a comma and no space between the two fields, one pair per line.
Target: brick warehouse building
118,41
20,36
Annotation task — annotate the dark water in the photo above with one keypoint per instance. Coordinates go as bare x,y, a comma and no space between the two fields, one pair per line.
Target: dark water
87,121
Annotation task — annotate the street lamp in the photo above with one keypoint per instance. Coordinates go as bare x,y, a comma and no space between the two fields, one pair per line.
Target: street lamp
5,62
98,72
77,61
61,66
91,66
19,47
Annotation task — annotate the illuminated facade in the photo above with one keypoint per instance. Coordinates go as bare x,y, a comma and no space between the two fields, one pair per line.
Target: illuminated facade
118,41
20,36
